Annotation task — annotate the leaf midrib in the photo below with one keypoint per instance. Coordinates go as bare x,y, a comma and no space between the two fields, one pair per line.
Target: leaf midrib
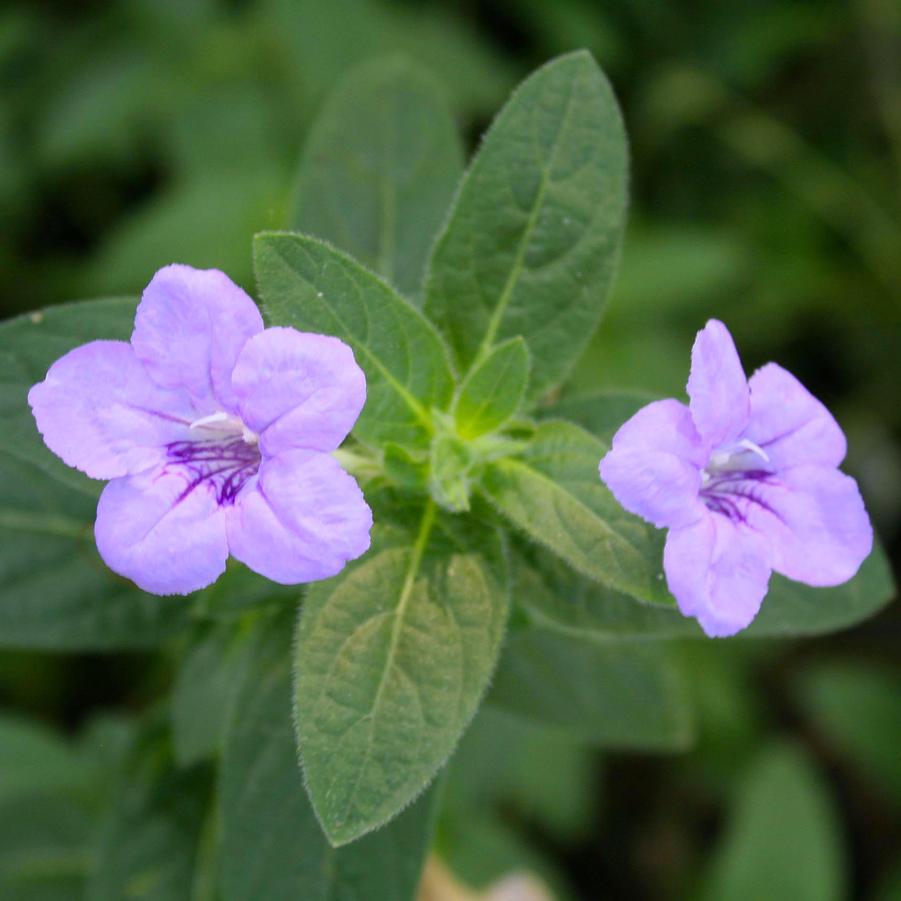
616,540
418,550
414,405
516,270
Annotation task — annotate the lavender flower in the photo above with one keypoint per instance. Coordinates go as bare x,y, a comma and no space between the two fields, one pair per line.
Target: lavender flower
745,478
216,435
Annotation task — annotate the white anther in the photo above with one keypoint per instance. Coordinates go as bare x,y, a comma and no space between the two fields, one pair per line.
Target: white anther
754,448
212,419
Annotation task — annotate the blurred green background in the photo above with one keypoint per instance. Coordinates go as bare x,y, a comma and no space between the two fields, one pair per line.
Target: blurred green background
766,191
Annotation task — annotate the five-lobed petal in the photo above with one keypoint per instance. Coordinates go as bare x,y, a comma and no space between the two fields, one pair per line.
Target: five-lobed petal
746,480
99,411
216,434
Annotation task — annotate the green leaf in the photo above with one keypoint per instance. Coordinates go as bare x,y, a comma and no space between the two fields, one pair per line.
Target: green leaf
449,475
558,598
493,390
857,709
548,779
204,689
313,287
601,413
33,759
55,591
392,658
533,238
272,847
554,494
791,608
150,841
890,885
238,591
29,344
561,599
484,850
783,842
409,469
379,170
45,851
204,222
610,695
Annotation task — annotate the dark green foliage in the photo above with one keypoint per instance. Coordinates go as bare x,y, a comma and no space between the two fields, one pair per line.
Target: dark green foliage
473,686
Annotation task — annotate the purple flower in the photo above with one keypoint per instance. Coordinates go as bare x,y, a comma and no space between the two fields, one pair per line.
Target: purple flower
745,478
216,435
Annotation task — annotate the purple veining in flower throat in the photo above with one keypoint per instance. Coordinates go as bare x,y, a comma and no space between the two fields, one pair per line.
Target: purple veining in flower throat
746,480
216,435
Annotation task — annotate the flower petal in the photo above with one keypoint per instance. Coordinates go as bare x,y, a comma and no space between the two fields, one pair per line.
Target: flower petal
189,329
815,518
303,520
718,572
98,411
790,424
717,386
654,465
298,390
165,538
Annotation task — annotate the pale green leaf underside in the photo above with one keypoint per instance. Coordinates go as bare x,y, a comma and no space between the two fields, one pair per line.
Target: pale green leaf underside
392,658
379,170
553,493
615,695
493,390
272,845
533,238
313,287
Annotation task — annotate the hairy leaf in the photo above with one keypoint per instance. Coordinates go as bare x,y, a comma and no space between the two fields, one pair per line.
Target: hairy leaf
533,238
560,599
272,845
552,492
392,658
379,170
493,390
309,285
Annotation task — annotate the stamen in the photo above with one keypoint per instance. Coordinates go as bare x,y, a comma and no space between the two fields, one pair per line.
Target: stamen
730,483
223,422
226,461
221,416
